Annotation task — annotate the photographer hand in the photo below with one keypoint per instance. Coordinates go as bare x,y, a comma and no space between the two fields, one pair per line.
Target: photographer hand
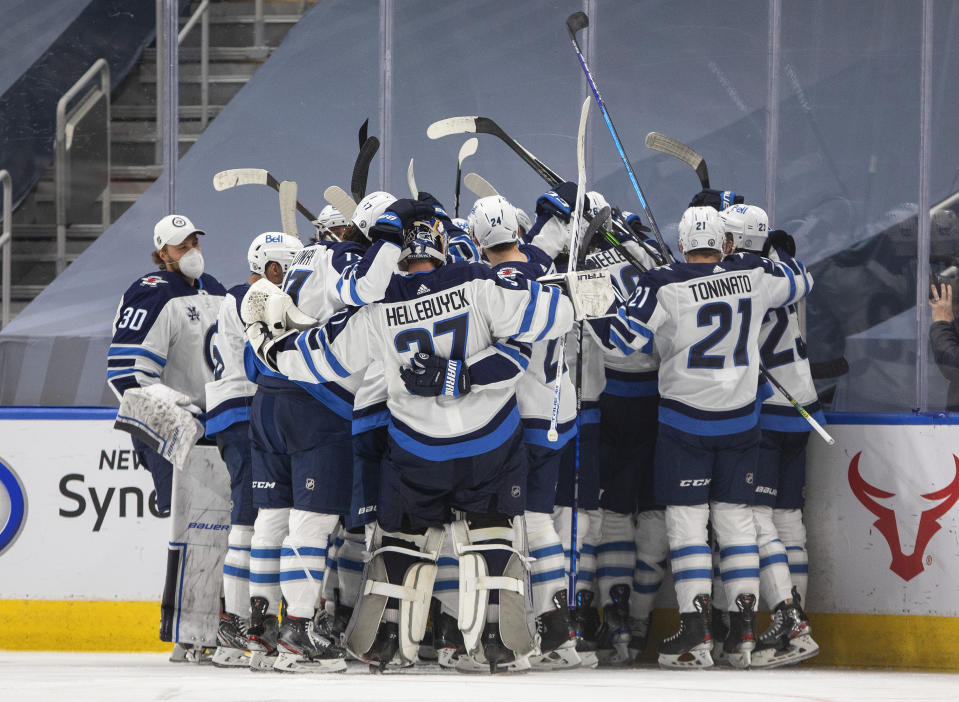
941,303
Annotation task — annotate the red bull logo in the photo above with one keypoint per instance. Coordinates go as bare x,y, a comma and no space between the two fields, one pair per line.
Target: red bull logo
905,566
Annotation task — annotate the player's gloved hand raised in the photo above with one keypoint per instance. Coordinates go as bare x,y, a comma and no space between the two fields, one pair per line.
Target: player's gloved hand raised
399,215
559,202
782,241
635,224
265,345
432,376
428,199
719,200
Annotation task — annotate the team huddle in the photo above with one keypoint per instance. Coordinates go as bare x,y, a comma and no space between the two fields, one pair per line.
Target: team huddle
481,442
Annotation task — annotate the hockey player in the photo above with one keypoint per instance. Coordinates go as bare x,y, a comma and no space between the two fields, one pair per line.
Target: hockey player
781,473
454,442
161,337
229,397
703,317
330,225
303,454
495,230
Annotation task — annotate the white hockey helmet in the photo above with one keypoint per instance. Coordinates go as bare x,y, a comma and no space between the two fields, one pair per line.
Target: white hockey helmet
425,241
748,224
273,246
493,221
369,209
523,220
328,218
701,228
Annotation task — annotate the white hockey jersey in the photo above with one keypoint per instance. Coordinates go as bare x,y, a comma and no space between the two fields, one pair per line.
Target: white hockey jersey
704,320
163,333
230,394
783,353
459,311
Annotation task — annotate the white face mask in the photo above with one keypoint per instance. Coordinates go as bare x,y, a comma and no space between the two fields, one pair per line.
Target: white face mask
191,264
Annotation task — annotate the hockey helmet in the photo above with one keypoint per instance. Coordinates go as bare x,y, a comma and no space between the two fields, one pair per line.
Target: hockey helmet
328,219
749,226
701,228
523,220
273,246
493,222
425,240
369,209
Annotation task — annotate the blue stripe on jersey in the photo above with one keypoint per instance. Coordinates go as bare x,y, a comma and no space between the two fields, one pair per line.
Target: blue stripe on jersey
620,342
551,314
537,435
124,383
483,440
534,289
130,371
137,351
625,388
225,414
514,353
704,423
368,422
590,416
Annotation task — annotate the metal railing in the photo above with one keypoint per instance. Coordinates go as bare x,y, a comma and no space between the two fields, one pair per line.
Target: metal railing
66,126
202,16
6,239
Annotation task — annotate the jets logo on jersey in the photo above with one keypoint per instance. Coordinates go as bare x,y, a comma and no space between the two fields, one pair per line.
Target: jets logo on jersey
13,507
508,274
152,280
192,314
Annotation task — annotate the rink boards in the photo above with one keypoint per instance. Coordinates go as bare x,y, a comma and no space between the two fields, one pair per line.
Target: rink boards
81,545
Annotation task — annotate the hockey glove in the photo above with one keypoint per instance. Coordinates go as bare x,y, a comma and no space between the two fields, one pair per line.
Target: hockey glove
438,209
780,240
635,225
432,376
719,200
401,214
558,202
265,345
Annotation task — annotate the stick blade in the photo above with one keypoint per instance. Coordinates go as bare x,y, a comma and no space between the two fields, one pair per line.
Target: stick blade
288,190
340,199
673,147
576,22
411,181
361,169
468,149
451,125
231,178
478,185
364,128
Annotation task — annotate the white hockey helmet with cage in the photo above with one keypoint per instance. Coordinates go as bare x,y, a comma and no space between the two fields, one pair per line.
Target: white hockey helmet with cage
493,222
425,240
748,224
701,228
369,209
328,218
272,246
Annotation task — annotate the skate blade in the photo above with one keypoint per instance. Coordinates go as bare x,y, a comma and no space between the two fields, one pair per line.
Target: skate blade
294,663
446,657
698,656
801,648
262,662
588,659
471,666
742,658
563,658
619,656
231,658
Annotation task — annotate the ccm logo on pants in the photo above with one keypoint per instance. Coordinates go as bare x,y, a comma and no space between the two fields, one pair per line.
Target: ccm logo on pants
699,482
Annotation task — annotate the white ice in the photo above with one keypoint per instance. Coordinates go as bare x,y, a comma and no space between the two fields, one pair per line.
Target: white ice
105,677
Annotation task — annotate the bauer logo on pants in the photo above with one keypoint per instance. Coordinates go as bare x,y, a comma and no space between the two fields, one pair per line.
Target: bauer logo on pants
905,566
13,506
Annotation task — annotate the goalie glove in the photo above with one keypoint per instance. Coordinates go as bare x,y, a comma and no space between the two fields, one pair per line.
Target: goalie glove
591,291
432,376
264,302
266,344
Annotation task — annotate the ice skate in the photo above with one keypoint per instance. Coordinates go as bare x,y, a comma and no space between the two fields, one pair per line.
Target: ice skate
720,627
788,640
190,653
303,649
232,643
447,640
741,638
615,635
586,620
557,638
262,635
690,646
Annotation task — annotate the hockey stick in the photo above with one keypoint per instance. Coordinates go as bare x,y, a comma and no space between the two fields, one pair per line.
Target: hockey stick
363,132
361,169
672,147
574,23
484,125
467,149
288,207
478,185
411,181
798,407
340,199
233,177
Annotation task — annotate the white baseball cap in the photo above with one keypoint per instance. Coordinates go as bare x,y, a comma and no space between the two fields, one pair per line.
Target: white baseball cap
173,229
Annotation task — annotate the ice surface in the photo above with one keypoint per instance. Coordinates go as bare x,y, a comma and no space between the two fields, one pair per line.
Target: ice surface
148,676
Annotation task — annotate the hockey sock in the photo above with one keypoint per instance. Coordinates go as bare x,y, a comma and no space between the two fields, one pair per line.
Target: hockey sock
792,532
652,549
349,562
447,586
719,592
547,574
236,571
592,527
738,553
331,577
775,583
615,554
689,553
269,530
562,519
303,560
